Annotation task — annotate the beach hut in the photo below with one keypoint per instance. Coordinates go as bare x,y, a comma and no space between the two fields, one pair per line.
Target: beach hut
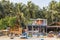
37,25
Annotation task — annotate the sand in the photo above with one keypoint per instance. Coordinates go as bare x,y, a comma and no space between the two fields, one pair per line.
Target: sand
17,38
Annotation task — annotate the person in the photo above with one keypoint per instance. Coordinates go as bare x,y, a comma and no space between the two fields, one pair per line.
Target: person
58,34
25,33
51,34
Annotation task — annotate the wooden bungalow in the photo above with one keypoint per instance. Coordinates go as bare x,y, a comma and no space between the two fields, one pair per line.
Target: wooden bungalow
37,25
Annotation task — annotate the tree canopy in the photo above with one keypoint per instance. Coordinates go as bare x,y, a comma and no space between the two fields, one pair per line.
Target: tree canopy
12,13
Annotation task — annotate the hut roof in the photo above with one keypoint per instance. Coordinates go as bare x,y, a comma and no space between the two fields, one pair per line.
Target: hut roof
55,24
38,19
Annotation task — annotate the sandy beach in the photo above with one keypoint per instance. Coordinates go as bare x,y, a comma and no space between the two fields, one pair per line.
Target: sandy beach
17,38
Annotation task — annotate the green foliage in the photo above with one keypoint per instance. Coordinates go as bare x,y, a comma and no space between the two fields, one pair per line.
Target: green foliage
12,12
12,21
3,24
7,21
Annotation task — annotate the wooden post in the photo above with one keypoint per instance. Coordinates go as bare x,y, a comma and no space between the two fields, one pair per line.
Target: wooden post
46,29
27,29
32,30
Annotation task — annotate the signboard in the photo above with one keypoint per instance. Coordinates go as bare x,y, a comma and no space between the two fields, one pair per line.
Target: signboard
42,22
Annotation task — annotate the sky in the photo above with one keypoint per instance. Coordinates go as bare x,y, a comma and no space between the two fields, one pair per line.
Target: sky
40,3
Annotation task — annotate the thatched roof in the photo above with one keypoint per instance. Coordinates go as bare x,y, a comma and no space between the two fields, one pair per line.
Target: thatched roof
55,24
